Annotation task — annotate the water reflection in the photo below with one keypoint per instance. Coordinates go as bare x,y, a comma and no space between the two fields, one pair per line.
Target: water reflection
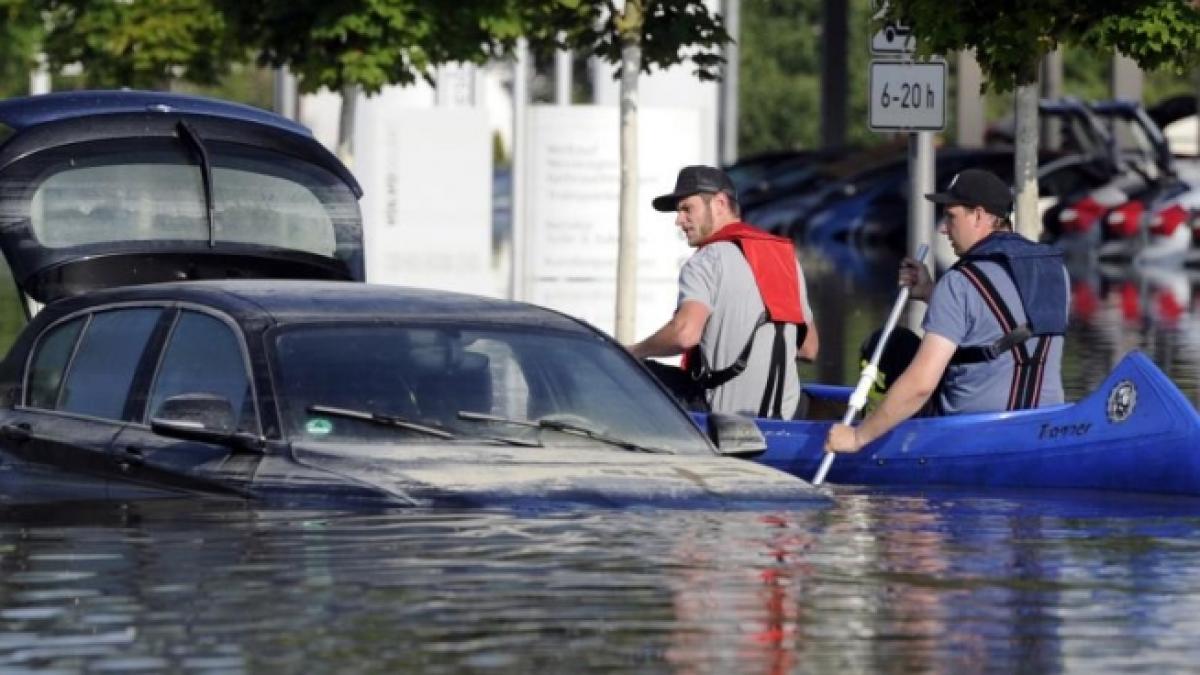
883,581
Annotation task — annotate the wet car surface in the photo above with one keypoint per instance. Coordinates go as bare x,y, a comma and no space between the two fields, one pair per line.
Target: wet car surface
193,269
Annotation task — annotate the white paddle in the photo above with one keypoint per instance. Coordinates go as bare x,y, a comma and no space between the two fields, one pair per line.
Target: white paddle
858,399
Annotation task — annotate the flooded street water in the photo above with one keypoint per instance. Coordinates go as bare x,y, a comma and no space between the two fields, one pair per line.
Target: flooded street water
891,582
879,581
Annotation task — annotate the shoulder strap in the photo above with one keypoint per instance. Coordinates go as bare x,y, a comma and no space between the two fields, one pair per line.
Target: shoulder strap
772,398
771,404
1028,369
710,379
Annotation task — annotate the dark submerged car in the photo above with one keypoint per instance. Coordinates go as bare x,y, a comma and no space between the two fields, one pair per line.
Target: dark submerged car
204,331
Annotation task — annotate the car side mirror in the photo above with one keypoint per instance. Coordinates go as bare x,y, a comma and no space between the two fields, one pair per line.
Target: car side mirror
202,417
736,436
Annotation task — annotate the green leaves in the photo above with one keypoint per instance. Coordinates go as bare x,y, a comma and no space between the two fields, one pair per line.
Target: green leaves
142,43
1010,38
20,39
334,43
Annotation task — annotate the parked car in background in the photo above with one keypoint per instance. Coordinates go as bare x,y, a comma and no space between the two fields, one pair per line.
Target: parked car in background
764,178
192,269
1144,210
871,208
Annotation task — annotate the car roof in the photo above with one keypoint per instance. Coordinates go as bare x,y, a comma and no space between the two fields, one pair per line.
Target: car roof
307,301
30,111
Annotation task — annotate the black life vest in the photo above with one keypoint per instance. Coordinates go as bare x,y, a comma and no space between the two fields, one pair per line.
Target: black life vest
1037,273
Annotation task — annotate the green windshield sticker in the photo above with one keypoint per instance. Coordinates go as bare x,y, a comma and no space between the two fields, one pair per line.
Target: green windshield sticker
318,426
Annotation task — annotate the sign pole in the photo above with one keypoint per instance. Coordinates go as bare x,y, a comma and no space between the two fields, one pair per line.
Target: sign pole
909,96
922,179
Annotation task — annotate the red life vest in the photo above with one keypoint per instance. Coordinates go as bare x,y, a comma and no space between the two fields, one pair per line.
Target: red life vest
772,260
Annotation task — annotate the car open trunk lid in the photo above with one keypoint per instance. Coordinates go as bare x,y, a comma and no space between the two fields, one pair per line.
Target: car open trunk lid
105,189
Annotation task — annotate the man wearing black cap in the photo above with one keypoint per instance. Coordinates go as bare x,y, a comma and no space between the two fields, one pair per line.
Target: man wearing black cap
995,323
742,318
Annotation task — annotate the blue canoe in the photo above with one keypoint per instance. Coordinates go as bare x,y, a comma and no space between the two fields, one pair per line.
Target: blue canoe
1135,433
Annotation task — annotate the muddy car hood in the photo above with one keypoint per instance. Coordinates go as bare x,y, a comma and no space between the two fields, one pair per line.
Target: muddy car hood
485,475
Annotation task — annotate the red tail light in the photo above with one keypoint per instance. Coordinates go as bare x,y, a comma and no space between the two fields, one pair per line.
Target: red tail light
1081,216
1131,306
1084,302
1169,308
1165,222
1124,220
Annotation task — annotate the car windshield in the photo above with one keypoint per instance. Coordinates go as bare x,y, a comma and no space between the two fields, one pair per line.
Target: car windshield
372,383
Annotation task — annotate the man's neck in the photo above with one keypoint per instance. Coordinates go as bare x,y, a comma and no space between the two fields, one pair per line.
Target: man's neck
717,226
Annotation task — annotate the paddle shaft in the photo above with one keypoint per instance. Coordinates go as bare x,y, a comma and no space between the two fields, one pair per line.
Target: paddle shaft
858,399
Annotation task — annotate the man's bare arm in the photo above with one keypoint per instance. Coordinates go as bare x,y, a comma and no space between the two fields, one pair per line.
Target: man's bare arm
678,335
911,391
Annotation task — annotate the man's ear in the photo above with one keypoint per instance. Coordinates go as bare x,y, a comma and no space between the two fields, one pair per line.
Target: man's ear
725,203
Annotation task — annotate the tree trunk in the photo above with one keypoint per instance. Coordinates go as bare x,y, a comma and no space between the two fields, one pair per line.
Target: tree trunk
627,235
345,143
1025,162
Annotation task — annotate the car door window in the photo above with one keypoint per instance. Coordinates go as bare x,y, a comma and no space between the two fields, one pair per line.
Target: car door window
204,355
102,371
50,362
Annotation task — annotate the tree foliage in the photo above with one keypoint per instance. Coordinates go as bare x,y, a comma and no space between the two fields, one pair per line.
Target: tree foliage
143,44
20,40
671,31
780,83
1010,38
374,43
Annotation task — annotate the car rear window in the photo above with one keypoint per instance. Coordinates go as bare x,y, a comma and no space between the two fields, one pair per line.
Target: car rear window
108,192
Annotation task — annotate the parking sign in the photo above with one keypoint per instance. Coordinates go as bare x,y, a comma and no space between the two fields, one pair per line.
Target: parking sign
893,40
908,96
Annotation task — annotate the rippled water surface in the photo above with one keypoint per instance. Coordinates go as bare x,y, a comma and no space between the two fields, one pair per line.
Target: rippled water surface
921,582
877,581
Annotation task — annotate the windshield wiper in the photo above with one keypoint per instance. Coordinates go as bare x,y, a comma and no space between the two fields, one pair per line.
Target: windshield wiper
380,418
566,427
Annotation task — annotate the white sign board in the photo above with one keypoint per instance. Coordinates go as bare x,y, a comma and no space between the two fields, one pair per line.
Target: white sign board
907,96
426,175
894,39
570,223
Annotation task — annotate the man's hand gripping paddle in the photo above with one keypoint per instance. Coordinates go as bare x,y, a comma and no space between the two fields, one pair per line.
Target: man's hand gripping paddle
858,399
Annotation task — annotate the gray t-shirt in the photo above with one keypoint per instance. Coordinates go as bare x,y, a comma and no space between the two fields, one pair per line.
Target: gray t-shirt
958,312
719,277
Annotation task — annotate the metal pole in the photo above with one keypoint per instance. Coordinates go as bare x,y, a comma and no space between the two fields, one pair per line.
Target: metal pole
835,71
39,77
969,102
520,281
285,93
627,211
728,92
1052,89
921,171
563,64
922,181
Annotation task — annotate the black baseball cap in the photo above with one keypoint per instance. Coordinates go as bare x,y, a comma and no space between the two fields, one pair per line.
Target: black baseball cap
692,180
976,187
